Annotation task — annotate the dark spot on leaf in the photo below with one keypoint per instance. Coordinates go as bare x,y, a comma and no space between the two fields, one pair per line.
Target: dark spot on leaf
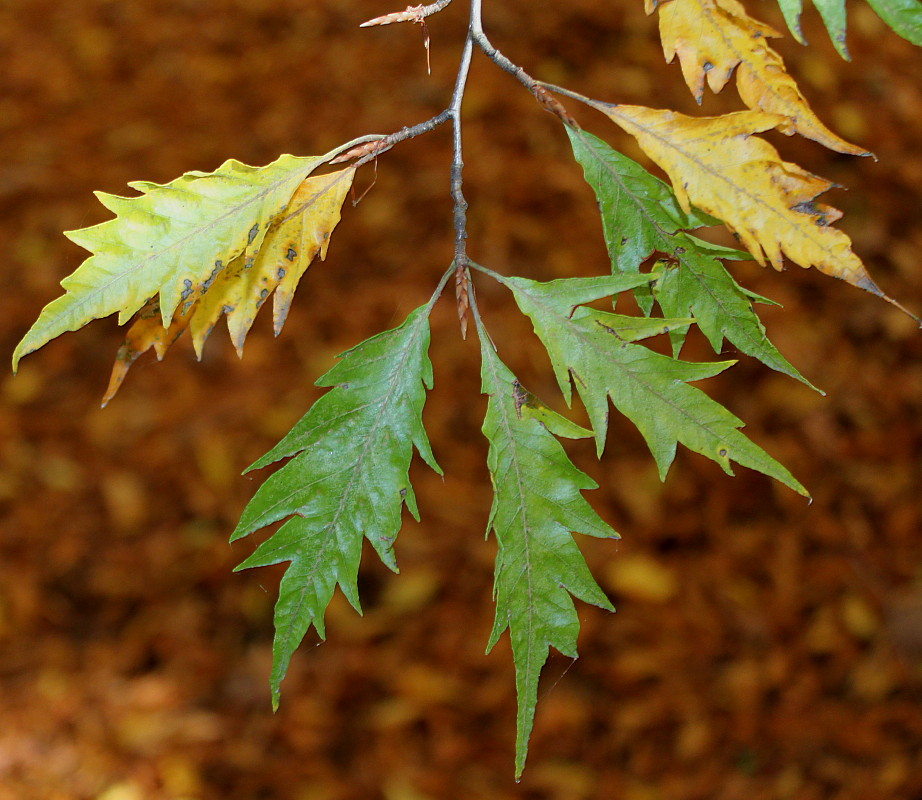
518,397
707,66
624,240
187,291
722,452
612,331
680,250
281,273
219,264
252,234
263,294
291,255
227,309
403,492
805,207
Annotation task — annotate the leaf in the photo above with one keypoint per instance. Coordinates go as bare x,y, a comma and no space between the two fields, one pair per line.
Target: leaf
714,37
348,480
718,165
833,14
146,331
593,350
640,215
168,240
537,502
294,238
171,242
903,16
700,286
791,9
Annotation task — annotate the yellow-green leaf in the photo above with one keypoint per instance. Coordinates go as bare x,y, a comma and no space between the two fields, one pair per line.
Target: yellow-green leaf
169,241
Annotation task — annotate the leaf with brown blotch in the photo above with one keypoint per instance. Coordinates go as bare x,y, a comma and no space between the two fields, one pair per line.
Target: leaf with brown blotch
714,37
720,167
300,233
294,238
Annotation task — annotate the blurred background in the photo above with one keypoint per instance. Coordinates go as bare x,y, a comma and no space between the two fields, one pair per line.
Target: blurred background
762,647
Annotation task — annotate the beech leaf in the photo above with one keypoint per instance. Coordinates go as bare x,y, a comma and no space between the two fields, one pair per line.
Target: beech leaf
697,284
717,164
641,215
168,246
833,14
300,233
348,480
714,37
903,16
593,350
537,503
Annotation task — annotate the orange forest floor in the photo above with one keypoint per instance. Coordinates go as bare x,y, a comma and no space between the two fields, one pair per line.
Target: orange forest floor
762,647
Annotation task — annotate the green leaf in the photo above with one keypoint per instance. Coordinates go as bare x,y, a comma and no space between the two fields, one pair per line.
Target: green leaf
791,9
700,286
640,213
903,16
170,240
537,502
833,14
348,480
593,349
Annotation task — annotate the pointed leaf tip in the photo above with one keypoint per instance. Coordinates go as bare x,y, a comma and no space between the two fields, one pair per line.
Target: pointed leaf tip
347,480
537,503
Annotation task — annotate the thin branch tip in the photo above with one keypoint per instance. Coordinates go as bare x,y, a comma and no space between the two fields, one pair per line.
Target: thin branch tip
415,14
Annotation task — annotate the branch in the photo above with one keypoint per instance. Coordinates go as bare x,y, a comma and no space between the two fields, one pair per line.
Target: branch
542,95
412,14
462,276
370,150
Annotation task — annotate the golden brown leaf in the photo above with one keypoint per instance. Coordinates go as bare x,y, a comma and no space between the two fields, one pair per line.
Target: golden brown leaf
146,331
714,37
716,164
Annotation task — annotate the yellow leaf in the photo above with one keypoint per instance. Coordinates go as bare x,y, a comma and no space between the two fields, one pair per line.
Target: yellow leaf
717,165
294,238
303,234
713,37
